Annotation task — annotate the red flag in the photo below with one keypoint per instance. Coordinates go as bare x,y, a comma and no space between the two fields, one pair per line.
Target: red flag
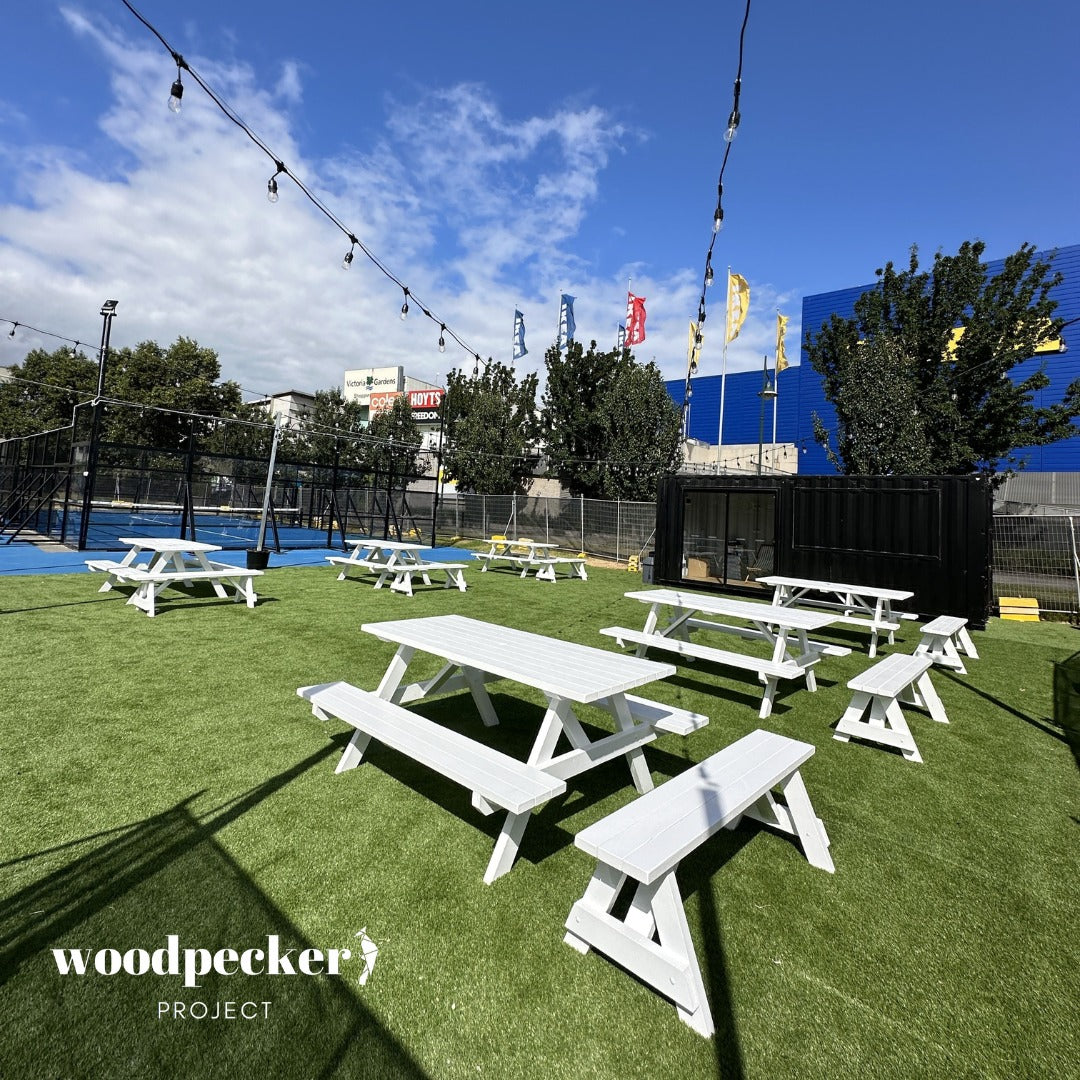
635,320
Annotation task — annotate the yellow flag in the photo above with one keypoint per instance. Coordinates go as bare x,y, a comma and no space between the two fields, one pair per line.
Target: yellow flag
738,303
781,356
693,348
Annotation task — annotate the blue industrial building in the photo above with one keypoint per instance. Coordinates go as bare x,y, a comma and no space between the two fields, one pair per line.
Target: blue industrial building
801,394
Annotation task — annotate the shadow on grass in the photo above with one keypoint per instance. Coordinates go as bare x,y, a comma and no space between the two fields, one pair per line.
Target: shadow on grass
49,607
129,889
1043,725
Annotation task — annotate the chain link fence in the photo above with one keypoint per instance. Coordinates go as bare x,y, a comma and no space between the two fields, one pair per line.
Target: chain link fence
607,530
1036,556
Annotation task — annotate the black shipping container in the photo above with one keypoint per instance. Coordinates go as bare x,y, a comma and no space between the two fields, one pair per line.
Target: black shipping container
930,534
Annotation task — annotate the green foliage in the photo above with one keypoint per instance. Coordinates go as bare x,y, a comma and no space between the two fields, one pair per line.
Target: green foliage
44,390
612,428
331,413
491,427
910,399
393,449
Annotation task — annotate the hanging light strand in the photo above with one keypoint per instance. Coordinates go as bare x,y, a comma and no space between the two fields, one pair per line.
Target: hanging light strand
282,170
734,118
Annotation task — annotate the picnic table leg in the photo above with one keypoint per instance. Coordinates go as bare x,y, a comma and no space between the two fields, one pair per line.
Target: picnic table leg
389,688
475,681
506,846
551,727
624,721
353,754
968,645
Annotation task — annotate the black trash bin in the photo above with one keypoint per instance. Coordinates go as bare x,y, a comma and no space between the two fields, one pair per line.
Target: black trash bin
258,558
647,569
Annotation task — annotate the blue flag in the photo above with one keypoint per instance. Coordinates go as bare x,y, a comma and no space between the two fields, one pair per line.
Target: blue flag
519,335
567,326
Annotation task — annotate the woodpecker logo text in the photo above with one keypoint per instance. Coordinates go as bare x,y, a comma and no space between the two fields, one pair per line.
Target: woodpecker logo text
195,964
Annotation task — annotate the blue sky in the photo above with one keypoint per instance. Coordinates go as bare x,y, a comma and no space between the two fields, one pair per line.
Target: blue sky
494,155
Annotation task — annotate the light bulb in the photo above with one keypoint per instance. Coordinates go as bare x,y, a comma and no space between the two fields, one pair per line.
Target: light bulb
405,311
442,338
176,94
11,332
708,274
732,126
347,261
718,219
271,190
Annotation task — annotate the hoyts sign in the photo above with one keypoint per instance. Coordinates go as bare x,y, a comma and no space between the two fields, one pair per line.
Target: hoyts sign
425,403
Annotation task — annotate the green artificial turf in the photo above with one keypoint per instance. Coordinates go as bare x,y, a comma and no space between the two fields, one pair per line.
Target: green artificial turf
160,776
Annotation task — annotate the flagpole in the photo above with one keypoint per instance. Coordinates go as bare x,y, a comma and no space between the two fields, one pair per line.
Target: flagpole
723,374
776,387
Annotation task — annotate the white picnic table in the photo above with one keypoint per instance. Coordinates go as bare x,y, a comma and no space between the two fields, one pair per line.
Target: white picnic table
869,606
530,555
785,630
566,673
172,562
397,561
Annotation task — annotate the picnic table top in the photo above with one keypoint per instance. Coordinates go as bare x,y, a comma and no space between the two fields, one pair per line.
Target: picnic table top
386,545
711,604
837,587
167,544
565,669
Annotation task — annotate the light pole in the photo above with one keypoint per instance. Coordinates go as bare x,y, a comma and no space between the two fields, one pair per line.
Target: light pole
767,391
108,313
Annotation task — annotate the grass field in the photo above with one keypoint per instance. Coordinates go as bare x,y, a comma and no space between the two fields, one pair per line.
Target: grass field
160,777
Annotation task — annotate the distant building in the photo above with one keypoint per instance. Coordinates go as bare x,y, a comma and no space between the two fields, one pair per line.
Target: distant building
801,394
293,405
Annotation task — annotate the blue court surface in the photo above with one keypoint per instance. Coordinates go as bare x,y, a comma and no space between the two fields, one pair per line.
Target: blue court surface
26,558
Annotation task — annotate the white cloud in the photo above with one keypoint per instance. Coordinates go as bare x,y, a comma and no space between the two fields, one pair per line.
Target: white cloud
475,211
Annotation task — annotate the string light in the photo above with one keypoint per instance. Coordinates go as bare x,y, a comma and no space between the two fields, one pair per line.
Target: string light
177,93
14,327
272,185
405,306
718,220
442,338
347,261
734,118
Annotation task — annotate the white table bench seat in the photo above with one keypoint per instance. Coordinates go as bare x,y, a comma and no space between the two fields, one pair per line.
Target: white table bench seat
494,778
646,840
768,671
939,642
404,574
897,678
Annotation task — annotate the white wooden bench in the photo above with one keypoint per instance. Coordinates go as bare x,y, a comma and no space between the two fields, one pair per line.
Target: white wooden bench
646,839
897,678
574,565
403,575
150,585
345,562
494,778
110,568
768,671
939,642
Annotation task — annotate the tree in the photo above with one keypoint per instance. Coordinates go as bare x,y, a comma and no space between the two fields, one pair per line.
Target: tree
612,428
919,377
644,429
325,432
490,429
44,390
393,448
179,383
